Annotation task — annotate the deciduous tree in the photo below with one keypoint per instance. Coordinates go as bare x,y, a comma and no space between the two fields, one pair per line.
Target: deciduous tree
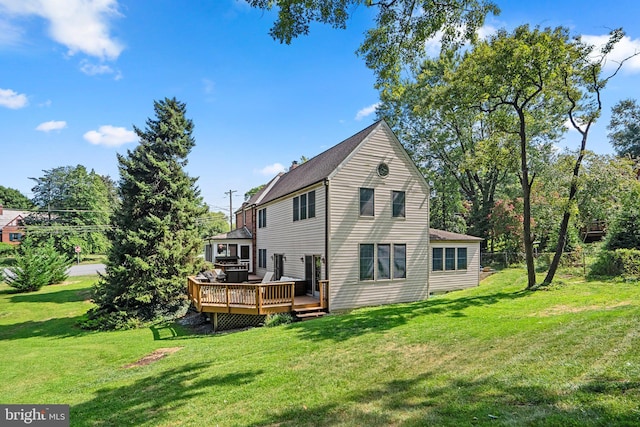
11,198
624,128
513,77
74,207
402,27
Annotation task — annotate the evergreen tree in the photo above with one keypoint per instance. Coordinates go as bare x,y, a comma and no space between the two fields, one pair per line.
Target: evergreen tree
37,265
155,235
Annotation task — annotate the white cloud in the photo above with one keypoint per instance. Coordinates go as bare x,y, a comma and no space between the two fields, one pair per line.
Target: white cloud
272,170
486,31
97,69
110,136
367,111
434,44
12,99
624,49
52,125
80,25
10,35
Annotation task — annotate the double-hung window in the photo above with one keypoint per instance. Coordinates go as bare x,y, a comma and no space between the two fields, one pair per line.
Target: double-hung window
366,202
366,261
304,206
436,259
384,261
462,259
398,198
262,258
400,261
262,218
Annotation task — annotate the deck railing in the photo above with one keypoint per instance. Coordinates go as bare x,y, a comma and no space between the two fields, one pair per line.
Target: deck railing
247,298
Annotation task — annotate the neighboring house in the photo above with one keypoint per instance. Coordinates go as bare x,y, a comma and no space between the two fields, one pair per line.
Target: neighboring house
455,261
11,225
236,241
234,244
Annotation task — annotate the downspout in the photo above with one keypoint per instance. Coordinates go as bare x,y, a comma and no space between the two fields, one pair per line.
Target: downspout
429,260
326,240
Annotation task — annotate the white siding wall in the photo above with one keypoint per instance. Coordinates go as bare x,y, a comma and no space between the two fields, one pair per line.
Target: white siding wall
293,239
348,230
444,281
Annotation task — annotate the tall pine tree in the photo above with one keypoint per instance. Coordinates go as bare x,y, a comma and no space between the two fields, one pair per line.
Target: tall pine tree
155,241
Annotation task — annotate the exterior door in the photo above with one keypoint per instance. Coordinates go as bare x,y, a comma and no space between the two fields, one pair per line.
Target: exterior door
245,257
317,275
313,274
278,266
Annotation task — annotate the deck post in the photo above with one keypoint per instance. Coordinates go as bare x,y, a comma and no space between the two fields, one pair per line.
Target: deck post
258,290
228,299
293,294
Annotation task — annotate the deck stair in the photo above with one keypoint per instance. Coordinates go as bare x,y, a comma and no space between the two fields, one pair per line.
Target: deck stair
308,313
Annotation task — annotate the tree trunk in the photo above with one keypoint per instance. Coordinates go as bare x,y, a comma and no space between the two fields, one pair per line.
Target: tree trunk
526,196
564,225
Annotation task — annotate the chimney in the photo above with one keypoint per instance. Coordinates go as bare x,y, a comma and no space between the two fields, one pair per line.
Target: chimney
294,164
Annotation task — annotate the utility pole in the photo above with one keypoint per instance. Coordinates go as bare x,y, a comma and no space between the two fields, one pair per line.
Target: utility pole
230,193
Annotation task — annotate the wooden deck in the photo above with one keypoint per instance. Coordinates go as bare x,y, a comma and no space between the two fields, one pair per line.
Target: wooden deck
252,298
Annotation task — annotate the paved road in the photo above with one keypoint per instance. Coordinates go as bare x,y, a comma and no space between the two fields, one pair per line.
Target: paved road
85,269
81,270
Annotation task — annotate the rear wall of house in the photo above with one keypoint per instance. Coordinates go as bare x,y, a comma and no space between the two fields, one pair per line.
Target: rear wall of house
348,229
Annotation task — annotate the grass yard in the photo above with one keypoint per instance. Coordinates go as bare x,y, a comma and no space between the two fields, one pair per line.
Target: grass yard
493,355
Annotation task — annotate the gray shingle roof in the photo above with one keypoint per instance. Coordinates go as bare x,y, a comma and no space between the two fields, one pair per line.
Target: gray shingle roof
317,168
238,233
9,215
441,235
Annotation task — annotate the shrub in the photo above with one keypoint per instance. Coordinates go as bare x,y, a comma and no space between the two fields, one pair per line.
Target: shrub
37,266
624,232
620,262
6,249
278,319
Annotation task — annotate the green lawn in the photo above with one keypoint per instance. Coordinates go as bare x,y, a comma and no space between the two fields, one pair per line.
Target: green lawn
494,355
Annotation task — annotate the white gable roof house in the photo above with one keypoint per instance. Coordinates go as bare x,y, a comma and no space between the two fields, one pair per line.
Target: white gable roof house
352,224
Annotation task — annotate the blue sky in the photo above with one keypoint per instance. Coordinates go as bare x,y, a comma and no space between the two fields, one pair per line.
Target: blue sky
75,79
